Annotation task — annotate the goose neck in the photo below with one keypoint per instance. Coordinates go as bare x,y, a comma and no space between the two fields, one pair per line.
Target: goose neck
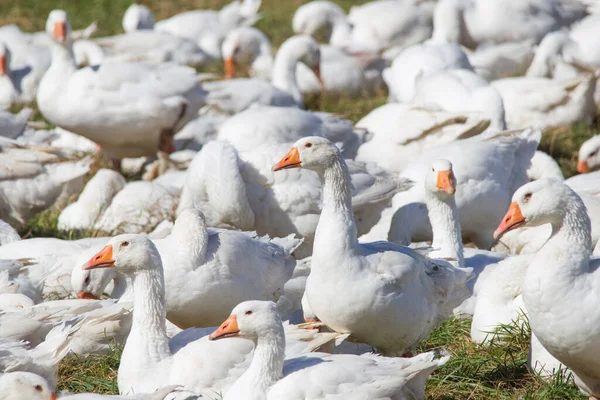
149,317
336,224
265,369
284,72
190,238
63,57
445,224
570,244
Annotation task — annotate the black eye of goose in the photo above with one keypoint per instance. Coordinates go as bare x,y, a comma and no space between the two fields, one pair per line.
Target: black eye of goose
593,153
125,244
527,197
308,145
38,388
249,312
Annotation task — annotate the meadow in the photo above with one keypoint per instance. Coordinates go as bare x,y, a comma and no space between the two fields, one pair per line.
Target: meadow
493,371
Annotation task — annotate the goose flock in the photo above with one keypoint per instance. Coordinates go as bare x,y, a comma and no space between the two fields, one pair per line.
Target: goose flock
241,246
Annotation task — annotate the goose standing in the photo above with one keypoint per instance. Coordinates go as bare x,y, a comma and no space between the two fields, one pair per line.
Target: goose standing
561,278
270,377
388,296
124,107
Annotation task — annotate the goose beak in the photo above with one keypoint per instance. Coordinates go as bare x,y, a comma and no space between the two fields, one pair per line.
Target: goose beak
583,167
53,396
445,182
104,259
317,70
229,328
60,31
86,296
291,160
2,66
229,68
512,220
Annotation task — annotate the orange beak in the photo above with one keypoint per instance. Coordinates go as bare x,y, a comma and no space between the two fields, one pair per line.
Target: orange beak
229,68
2,66
229,328
445,182
512,220
104,259
291,160
86,296
583,167
60,31
317,70
53,396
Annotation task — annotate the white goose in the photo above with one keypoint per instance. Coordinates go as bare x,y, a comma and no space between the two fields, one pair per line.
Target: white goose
33,178
30,386
543,102
151,360
235,95
271,377
209,27
124,107
589,155
561,278
137,17
417,62
339,72
381,281
461,90
400,132
373,27
470,22
440,186
495,167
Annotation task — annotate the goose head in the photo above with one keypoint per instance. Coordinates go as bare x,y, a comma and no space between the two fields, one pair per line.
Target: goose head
440,179
89,284
537,203
589,155
242,46
127,254
4,60
58,26
313,17
306,50
25,386
311,152
250,320
137,17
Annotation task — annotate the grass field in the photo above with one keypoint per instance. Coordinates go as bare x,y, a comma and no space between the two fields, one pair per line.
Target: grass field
495,371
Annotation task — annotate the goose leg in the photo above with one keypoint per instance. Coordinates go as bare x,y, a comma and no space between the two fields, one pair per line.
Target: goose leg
166,142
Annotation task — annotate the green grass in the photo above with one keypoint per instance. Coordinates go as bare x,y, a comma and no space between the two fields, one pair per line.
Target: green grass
494,371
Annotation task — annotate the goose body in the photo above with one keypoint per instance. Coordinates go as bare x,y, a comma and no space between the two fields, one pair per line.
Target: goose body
33,178
560,278
492,183
124,107
270,377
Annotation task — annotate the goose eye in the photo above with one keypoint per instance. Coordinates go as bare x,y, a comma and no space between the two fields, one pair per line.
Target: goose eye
432,169
249,312
125,244
308,145
527,197
593,153
38,388
87,280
